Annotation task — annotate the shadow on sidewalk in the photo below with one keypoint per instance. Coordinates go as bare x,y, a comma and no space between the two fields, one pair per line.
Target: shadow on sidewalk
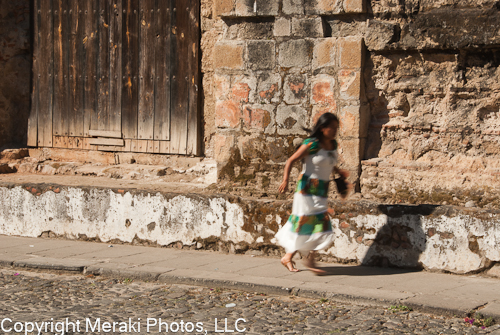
359,271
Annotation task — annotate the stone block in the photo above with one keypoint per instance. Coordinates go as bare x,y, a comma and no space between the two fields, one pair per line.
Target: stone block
317,111
295,53
351,52
295,89
282,27
308,27
245,8
221,87
267,7
379,35
268,87
223,146
349,122
261,55
243,89
349,150
233,55
291,119
245,30
227,114
322,90
323,7
259,118
223,7
293,7
354,6
350,84
324,53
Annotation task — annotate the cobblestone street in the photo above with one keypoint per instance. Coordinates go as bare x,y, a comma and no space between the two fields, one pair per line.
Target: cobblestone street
42,303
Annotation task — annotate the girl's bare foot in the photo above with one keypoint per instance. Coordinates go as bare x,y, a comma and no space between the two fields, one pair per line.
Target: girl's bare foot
311,265
289,264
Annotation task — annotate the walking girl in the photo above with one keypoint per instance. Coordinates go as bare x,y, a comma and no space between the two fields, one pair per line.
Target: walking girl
309,228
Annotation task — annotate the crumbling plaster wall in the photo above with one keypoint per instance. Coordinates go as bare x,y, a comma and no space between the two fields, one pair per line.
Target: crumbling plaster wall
15,67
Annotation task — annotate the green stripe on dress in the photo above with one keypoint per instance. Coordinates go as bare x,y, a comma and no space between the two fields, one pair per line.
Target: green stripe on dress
311,186
310,224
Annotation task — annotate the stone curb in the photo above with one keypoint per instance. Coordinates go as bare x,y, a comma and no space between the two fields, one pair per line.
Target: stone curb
166,278
47,266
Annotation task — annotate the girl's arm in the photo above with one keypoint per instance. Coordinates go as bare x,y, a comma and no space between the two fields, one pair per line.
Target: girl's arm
341,172
298,155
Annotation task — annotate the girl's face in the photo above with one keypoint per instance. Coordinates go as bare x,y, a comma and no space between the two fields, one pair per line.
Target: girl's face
330,131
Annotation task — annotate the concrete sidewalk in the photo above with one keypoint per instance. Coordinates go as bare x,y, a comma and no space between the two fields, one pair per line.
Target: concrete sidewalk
423,291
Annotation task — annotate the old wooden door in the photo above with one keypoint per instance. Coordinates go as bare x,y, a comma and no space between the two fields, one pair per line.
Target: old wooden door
116,75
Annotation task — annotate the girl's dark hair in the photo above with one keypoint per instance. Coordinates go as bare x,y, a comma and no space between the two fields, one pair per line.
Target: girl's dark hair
323,121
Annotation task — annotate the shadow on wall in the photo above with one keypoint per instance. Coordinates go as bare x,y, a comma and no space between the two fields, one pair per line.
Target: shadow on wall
401,240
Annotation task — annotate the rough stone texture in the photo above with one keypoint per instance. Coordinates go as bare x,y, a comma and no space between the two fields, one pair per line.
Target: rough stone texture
351,52
268,87
323,7
261,55
295,53
282,27
354,6
291,119
15,66
234,55
291,7
308,27
325,53
295,89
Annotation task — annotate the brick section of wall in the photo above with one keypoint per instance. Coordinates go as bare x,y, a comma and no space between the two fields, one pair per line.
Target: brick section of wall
230,55
269,89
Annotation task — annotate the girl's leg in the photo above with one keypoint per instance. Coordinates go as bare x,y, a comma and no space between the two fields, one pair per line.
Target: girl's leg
311,263
288,262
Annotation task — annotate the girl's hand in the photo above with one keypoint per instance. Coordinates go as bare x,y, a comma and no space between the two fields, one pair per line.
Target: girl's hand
343,173
283,187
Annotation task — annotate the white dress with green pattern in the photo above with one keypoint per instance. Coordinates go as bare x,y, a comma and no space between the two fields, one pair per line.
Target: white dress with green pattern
309,227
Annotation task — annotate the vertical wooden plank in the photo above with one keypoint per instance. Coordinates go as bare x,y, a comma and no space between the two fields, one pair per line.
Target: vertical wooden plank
156,147
71,142
61,68
130,89
76,88
115,66
45,102
146,70
56,140
180,77
165,147
33,119
150,147
162,79
90,44
128,145
103,121
193,122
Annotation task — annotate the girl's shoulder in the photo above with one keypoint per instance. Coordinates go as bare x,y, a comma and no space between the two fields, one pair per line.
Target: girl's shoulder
313,144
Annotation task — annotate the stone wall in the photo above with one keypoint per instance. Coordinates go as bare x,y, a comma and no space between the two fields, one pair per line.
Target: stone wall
15,67
275,70
432,84
420,125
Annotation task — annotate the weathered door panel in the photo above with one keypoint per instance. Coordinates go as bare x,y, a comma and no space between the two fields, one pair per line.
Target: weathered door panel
123,72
